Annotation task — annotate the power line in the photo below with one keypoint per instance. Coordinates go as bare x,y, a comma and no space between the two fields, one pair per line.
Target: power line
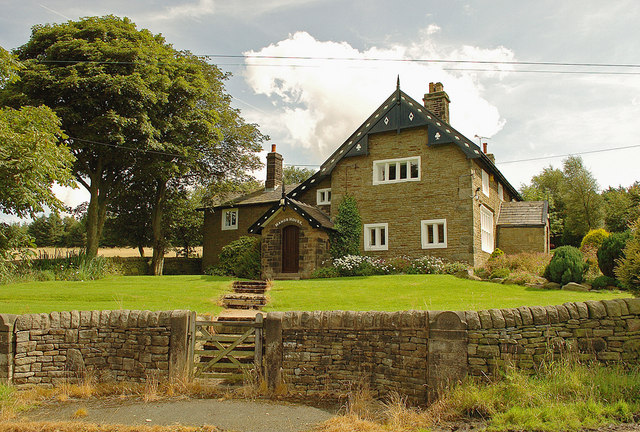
127,148
570,154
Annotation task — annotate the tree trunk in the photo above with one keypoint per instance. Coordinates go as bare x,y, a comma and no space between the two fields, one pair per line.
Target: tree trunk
141,250
157,261
92,220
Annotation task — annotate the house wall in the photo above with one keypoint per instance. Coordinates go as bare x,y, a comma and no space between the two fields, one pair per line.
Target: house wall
513,240
310,197
444,192
215,238
492,202
313,247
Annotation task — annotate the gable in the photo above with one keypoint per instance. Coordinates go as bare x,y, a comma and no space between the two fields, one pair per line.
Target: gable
400,112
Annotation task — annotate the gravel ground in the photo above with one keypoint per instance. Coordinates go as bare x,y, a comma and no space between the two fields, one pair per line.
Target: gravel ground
228,415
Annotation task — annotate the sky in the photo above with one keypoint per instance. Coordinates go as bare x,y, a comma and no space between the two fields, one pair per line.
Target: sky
309,106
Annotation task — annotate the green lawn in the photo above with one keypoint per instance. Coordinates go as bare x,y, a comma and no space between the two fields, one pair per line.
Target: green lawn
200,293
431,292
194,292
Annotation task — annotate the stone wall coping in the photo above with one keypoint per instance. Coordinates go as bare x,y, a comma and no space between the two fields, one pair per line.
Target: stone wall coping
554,314
351,320
123,319
7,321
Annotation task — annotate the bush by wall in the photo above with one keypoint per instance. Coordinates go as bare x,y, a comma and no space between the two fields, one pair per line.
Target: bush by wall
348,228
358,265
566,265
240,258
610,251
628,269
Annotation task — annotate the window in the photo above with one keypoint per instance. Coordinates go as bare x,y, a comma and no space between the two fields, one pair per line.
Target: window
485,183
500,192
396,170
323,196
433,233
230,219
376,237
486,228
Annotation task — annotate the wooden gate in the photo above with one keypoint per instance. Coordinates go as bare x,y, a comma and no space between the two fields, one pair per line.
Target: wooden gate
227,350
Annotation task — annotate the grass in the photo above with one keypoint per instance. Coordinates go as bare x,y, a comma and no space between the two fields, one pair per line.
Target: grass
563,396
420,292
194,292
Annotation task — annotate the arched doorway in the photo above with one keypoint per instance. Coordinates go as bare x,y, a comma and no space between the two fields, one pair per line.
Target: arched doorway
290,249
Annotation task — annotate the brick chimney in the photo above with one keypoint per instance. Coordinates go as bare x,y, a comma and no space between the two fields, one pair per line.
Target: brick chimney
437,101
274,169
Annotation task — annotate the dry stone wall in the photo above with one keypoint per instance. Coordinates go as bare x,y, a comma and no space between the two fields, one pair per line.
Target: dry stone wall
607,330
111,345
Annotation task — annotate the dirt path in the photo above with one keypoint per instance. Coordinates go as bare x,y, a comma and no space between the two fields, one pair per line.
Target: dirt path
228,415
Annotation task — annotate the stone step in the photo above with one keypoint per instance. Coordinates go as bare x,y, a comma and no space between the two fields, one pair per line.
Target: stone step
244,301
249,290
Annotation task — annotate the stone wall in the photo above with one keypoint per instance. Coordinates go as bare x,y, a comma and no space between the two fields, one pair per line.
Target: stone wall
110,345
416,353
517,239
607,330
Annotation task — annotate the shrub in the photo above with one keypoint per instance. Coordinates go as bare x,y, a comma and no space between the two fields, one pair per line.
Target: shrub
593,239
345,240
628,269
452,268
566,265
602,282
497,252
534,263
325,272
610,251
521,278
500,273
240,258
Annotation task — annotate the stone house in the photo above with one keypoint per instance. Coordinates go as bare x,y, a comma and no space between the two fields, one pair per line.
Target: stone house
422,188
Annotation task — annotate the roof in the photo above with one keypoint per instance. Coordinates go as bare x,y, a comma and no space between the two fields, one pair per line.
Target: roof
316,217
399,111
262,196
523,213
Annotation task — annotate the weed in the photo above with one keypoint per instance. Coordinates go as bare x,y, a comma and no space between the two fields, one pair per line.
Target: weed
80,413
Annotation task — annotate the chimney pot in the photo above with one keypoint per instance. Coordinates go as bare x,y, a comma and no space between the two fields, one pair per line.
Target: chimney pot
273,148
484,147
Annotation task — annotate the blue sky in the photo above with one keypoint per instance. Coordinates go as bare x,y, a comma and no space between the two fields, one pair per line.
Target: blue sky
308,107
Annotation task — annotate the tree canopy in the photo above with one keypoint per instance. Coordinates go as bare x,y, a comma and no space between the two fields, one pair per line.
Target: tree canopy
294,175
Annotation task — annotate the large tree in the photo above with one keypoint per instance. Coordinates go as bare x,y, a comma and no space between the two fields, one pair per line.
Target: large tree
102,77
621,207
294,175
548,186
32,155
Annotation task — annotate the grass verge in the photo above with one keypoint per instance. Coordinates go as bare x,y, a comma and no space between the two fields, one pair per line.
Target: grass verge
421,292
563,396
194,292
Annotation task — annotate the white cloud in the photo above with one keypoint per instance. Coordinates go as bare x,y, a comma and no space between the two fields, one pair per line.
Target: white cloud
433,28
321,102
185,10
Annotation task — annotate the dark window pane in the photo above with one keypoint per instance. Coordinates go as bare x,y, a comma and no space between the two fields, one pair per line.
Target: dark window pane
430,234
382,237
392,171
440,233
414,169
373,237
403,170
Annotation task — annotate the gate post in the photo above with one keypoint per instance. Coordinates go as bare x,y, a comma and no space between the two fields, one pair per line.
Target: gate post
257,354
447,351
273,349
179,345
7,340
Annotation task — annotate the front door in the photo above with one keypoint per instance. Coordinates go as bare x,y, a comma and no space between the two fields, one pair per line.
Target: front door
290,249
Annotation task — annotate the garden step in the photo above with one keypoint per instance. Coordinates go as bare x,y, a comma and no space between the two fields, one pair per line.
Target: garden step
244,301
257,287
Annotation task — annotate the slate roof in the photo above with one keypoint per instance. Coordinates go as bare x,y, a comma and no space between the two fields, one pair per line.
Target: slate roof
523,213
396,113
316,217
259,197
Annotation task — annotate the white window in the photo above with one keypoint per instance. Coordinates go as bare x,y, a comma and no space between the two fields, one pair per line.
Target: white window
323,196
485,183
500,192
486,228
396,170
433,233
376,237
229,219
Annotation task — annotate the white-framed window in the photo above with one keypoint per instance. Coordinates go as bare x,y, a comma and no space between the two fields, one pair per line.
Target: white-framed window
433,233
323,196
486,229
396,170
500,192
376,237
229,219
485,183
